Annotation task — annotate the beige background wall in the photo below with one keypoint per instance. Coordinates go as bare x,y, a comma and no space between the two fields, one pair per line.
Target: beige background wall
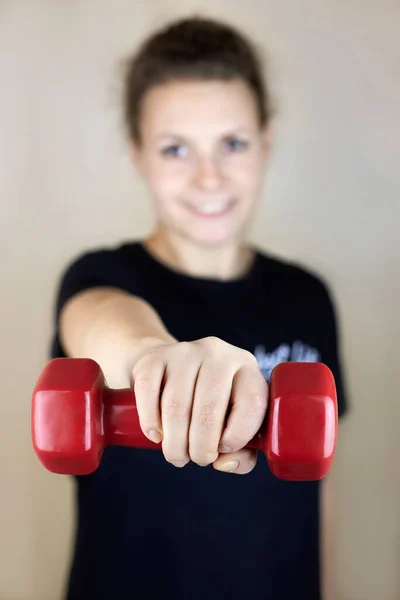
331,201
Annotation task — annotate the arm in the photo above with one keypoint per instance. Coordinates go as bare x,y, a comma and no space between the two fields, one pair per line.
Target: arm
111,327
327,541
127,338
121,331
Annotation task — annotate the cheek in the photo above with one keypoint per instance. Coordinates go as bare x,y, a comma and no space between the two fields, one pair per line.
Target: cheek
248,175
166,181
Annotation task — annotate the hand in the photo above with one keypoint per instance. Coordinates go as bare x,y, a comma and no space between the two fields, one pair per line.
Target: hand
184,391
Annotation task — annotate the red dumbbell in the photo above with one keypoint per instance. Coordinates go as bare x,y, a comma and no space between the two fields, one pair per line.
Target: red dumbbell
75,416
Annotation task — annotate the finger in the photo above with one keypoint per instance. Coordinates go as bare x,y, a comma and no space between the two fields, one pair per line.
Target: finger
249,402
176,409
210,403
147,378
240,462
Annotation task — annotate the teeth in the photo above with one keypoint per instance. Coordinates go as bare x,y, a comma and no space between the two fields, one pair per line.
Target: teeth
211,208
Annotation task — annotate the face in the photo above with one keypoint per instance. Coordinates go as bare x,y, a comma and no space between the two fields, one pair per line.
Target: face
202,154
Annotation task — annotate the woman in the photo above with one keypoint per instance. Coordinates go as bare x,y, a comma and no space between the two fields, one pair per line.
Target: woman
194,319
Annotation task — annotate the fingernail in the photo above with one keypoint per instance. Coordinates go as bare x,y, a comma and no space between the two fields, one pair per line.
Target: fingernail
229,466
154,435
178,463
224,448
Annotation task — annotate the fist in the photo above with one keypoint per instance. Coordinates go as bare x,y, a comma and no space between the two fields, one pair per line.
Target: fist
204,400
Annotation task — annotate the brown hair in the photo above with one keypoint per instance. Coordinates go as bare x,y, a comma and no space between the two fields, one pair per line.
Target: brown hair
192,48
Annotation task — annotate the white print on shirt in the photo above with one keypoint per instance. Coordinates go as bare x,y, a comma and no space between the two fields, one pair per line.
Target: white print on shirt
297,352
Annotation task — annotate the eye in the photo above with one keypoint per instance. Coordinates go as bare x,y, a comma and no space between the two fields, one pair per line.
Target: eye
175,151
234,144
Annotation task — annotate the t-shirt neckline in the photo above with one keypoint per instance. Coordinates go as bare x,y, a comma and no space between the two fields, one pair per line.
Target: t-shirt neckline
204,282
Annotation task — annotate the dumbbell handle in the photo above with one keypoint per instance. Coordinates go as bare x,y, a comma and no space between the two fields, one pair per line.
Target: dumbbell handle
121,422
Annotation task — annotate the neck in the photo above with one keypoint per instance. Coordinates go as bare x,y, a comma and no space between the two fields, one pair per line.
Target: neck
224,262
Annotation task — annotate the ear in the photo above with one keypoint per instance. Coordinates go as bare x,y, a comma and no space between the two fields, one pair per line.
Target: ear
136,156
266,140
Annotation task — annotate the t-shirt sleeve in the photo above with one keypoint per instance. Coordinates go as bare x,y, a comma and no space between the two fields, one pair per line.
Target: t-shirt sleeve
93,269
330,344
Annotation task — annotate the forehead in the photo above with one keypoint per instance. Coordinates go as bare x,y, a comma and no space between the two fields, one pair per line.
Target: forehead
190,107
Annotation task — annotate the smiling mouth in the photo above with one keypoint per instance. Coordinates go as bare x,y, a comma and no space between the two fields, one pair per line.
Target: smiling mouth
212,209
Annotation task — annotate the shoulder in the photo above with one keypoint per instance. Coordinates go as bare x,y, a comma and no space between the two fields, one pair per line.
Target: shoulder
102,257
291,273
296,287
105,266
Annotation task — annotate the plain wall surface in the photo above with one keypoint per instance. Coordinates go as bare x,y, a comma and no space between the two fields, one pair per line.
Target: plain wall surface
331,202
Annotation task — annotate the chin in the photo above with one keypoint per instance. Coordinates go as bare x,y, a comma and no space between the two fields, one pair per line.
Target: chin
213,239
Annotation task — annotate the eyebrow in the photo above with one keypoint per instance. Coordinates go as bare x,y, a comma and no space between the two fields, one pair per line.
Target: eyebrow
233,131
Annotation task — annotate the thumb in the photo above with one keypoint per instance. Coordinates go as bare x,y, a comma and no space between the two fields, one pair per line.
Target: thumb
240,462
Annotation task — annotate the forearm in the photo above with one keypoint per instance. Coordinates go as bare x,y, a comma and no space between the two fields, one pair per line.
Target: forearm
111,327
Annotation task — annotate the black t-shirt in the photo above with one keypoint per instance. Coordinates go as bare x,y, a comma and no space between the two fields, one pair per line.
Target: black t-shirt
146,529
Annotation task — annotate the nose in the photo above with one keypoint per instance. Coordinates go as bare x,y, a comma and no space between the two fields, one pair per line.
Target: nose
208,176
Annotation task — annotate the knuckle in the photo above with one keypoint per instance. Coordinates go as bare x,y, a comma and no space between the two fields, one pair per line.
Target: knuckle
175,411
174,452
216,392
249,357
185,353
143,380
236,440
172,456
144,373
203,459
207,416
184,347
213,344
257,402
